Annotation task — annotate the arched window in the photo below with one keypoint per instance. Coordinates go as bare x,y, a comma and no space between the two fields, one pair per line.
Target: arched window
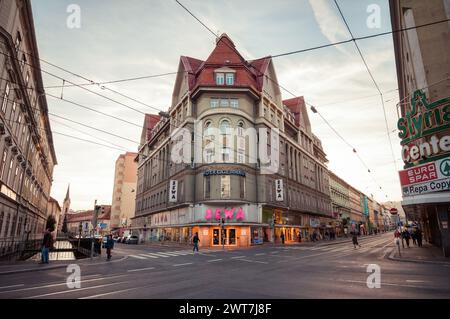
225,130
225,127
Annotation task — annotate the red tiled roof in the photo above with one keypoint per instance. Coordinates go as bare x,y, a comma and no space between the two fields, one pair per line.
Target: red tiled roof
295,105
248,73
150,122
87,215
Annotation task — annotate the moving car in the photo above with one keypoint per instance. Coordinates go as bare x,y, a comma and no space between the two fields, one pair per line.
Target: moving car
132,239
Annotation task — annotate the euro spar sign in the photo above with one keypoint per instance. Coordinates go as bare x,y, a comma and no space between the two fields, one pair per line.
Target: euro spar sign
419,174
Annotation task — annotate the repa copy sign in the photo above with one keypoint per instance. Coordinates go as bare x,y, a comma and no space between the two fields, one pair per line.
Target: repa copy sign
428,187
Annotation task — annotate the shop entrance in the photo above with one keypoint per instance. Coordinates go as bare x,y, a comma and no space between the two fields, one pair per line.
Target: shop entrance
225,236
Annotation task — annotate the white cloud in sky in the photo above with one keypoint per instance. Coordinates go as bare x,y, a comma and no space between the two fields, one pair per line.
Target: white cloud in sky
330,23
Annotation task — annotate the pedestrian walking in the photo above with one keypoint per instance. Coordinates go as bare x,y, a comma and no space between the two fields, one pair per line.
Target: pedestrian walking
282,237
299,236
47,244
109,246
419,237
195,241
355,240
414,236
406,237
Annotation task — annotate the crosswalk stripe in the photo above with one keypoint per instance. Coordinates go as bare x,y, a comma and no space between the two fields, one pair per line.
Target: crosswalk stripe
167,254
148,255
138,257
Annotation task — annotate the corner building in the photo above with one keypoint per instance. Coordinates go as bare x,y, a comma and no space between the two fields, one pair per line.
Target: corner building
230,183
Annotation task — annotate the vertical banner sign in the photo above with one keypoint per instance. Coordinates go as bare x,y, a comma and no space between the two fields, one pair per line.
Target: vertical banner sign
279,191
173,190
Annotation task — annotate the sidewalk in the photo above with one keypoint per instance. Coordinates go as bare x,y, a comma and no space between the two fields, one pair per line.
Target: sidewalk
425,254
30,266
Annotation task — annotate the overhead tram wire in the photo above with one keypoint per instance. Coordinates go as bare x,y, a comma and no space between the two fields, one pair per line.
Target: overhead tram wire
116,81
313,108
373,80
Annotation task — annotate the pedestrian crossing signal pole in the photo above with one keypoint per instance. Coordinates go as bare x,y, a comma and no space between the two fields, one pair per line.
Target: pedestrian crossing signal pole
222,223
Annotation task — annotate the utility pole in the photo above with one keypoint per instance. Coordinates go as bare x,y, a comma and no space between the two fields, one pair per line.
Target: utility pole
94,224
223,233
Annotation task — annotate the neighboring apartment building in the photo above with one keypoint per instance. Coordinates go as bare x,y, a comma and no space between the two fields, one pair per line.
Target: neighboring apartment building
222,178
84,219
423,72
340,201
27,155
124,192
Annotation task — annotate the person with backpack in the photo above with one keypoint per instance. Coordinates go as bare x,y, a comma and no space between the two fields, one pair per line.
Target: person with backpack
109,246
195,241
47,244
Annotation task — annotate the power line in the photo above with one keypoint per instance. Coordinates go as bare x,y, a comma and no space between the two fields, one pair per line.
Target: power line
88,134
89,141
115,81
373,80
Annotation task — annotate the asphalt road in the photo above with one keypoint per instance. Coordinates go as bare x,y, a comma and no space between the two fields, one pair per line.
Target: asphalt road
321,271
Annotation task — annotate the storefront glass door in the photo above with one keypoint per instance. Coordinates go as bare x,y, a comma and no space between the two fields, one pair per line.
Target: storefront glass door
228,236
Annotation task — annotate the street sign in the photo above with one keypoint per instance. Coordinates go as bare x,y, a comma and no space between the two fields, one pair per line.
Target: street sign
428,187
393,211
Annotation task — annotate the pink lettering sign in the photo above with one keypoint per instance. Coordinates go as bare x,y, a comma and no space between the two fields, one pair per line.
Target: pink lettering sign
217,215
208,214
229,213
240,214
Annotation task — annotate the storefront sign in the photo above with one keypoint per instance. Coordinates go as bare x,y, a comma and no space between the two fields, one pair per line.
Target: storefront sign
314,222
424,173
224,172
366,206
421,130
279,190
228,213
173,191
428,187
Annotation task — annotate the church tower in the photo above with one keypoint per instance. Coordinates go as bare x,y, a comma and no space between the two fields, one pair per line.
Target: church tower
65,209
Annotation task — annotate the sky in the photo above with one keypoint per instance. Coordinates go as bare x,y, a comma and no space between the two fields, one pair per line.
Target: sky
124,39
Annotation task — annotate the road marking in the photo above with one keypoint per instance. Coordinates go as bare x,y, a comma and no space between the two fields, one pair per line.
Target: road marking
138,257
254,261
148,255
416,281
383,283
167,254
274,252
260,254
140,269
13,286
237,257
159,255
74,290
61,284
178,265
214,260
108,293
181,253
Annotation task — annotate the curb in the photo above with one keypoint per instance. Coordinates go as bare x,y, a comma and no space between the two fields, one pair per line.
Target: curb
417,261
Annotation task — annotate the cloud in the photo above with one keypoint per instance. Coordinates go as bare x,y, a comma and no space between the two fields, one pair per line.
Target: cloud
329,22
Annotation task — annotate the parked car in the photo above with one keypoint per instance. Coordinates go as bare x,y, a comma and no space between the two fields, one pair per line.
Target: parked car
132,240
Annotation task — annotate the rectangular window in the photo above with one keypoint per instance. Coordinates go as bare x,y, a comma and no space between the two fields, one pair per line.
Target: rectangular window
214,102
224,103
5,154
209,155
5,98
234,103
207,187
242,186
225,186
241,156
220,79
230,78
226,154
